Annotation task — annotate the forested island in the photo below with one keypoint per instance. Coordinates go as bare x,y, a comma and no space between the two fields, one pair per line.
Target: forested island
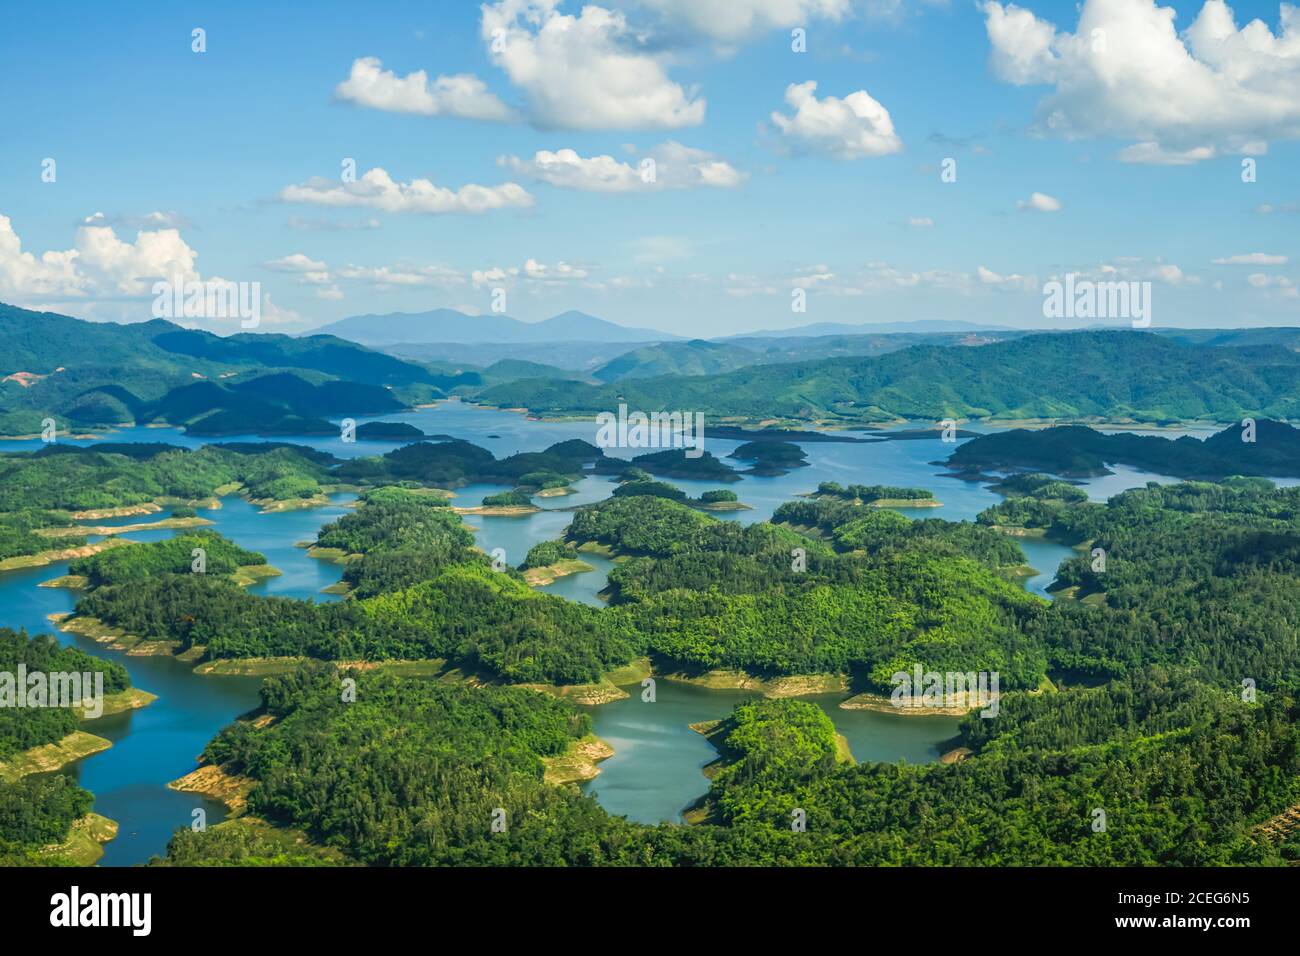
1101,683
45,818
438,713
1263,447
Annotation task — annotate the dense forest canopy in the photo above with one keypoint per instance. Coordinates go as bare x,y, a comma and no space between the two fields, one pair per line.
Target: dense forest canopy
1112,375
1253,448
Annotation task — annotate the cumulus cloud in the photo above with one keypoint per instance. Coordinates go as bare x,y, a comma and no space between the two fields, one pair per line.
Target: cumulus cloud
1251,259
1126,72
1040,202
383,277
376,189
855,127
732,20
461,94
100,264
109,277
668,166
297,262
584,71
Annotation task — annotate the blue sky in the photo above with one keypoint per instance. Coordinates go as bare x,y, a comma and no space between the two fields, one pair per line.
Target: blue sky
1123,161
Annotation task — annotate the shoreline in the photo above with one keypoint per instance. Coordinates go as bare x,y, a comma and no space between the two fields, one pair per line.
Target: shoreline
550,573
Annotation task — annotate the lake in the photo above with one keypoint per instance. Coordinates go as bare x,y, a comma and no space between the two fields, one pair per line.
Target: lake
655,772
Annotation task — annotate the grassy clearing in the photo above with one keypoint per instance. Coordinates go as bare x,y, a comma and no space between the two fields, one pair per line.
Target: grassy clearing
74,582
499,511
109,530
250,574
955,706
579,762
798,685
43,558
133,698
272,506
214,782
249,666
85,843
549,574
114,638
50,757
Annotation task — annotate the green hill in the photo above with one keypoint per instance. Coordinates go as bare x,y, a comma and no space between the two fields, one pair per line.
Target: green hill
1111,375
101,373
696,357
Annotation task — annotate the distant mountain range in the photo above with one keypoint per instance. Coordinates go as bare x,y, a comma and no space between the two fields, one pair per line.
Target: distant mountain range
869,328
457,328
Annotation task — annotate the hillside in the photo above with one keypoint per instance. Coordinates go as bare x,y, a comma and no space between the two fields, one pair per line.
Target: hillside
100,373
1074,451
1112,375
696,357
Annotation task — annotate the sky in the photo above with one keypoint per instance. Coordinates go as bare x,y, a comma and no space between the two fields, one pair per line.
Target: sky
703,167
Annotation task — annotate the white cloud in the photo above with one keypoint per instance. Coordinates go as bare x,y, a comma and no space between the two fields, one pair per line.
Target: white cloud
584,71
100,265
462,94
1153,154
731,20
878,278
532,271
273,314
920,222
1279,286
1130,268
1251,259
295,263
1040,202
1126,72
377,190
151,220
851,128
668,166
1014,282
389,276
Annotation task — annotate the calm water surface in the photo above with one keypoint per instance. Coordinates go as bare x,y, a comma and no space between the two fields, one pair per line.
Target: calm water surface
655,772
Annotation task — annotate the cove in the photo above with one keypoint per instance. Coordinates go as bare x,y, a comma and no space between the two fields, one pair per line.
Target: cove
656,771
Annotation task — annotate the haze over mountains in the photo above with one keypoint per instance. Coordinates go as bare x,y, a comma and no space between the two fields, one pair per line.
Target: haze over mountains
451,326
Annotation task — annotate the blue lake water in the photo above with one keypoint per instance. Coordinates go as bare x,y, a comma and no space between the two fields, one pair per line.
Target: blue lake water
655,771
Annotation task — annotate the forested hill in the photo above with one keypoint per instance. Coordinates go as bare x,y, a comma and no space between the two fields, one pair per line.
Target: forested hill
104,373
1102,374
40,342
1266,448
